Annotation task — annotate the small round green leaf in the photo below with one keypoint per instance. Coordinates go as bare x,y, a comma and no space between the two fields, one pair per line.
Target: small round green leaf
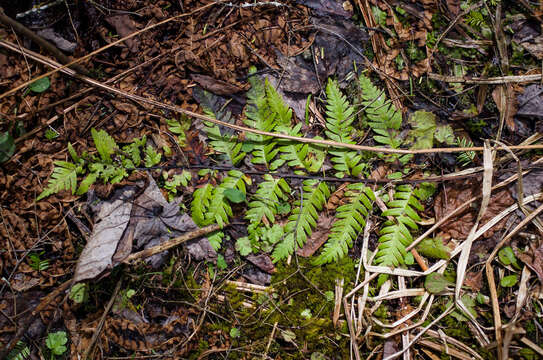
435,283
234,195
7,146
40,85
509,281
79,293
235,333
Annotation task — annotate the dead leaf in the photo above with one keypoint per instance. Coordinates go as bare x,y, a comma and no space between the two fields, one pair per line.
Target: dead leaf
215,86
474,280
453,6
125,224
324,7
58,40
125,26
111,221
506,102
459,226
530,103
533,258
318,237
534,47
200,249
263,262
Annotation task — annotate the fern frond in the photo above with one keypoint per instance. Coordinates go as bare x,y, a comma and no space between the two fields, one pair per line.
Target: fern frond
200,203
19,352
278,106
395,236
292,152
219,208
350,220
221,140
64,177
339,117
466,157
105,144
267,196
261,116
133,150
339,114
383,117
303,218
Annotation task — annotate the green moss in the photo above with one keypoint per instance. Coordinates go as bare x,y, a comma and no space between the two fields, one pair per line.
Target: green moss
299,303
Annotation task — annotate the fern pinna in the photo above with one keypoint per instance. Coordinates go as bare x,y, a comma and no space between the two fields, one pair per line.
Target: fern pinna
350,220
303,218
264,206
339,117
65,173
301,157
265,110
395,236
383,117
210,205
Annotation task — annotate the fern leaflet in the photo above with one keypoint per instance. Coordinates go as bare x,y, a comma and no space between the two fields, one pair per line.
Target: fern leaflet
383,117
260,115
395,236
19,352
105,144
277,105
64,177
303,218
264,207
299,155
339,117
350,220
210,205
200,203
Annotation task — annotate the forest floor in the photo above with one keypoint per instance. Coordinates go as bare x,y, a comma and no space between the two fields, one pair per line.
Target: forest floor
277,179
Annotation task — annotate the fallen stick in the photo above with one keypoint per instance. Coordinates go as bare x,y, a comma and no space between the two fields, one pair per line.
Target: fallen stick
171,243
331,143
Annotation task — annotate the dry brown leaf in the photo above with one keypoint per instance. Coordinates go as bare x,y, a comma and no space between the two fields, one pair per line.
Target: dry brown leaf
318,237
506,101
452,197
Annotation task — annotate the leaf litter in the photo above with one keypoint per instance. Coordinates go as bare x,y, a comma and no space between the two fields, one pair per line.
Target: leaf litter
299,46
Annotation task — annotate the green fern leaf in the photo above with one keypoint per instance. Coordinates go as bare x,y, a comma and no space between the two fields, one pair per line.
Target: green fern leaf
261,116
303,218
210,205
86,183
19,352
395,236
152,157
267,197
466,157
215,239
64,177
339,117
278,106
383,117
133,150
219,208
105,144
350,220
300,156
200,204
